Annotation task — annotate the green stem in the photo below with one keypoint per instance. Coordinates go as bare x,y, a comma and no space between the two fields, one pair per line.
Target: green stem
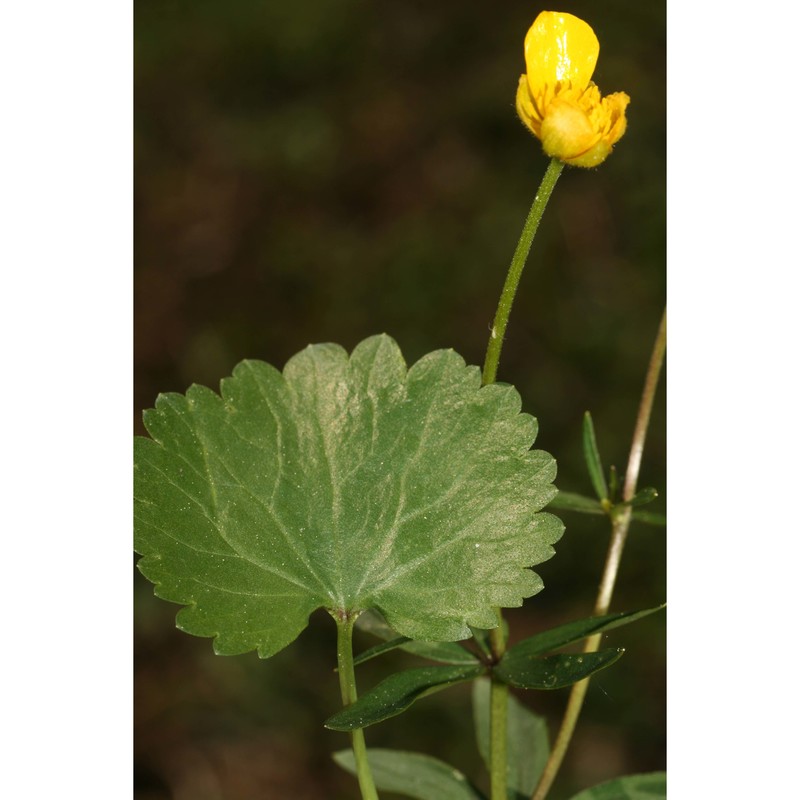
347,682
498,741
619,531
515,270
498,718
498,706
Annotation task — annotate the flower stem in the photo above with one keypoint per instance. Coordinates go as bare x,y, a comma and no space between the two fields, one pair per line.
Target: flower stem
347,682
620,523
515,270
498,706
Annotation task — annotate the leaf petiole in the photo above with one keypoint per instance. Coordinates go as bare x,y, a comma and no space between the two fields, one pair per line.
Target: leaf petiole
347,682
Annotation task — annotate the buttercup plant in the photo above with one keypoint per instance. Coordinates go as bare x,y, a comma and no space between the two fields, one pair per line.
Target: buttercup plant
406,501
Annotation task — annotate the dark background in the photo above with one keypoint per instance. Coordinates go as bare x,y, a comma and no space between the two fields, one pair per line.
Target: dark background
314,171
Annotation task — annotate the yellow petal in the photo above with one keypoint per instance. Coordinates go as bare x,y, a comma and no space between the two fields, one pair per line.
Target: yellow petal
615,108
593,156
526,108
560,47
567,131
583,130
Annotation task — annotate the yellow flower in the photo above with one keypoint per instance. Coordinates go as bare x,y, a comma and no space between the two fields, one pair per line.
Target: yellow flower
556,98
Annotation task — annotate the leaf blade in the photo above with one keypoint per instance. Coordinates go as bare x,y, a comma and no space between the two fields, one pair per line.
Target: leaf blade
345,482
650,518
647,786
413,775
572,632
571,501
591,455
443,652
643,497
555,672
395,694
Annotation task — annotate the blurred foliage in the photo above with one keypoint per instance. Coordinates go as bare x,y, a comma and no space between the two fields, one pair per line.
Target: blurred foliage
315,171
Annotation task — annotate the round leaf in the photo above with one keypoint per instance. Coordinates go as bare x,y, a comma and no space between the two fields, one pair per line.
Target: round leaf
347,484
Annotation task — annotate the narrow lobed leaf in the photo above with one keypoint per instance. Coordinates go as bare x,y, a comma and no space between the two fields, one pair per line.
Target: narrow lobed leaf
570,501
650,518
555,672
443,652
613,483
648,786
380,649
396,693
483,640
592,457
412,775
643,497
571,632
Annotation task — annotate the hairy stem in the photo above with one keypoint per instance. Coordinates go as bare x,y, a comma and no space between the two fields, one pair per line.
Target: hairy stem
347,683
515,270
498,707
621,521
